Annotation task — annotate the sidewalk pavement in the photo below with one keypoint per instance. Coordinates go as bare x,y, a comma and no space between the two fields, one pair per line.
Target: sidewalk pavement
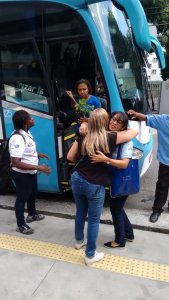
138,208
24,276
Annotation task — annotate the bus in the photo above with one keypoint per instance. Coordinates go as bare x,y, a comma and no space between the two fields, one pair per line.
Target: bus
47,45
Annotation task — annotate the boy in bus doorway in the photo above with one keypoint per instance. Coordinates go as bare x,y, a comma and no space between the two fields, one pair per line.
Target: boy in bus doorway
161,123
24,161
83,89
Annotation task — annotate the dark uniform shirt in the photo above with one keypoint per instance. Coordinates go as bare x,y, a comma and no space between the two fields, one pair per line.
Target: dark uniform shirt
97,173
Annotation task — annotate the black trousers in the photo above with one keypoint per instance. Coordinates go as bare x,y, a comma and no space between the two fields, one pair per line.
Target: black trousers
162,187
122,226
26,191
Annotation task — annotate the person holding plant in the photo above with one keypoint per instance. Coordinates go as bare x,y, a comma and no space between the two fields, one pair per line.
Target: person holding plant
85,102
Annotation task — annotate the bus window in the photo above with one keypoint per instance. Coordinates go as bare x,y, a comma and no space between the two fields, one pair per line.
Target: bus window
22,79
18,21
117,38
70,61
1,131
63,21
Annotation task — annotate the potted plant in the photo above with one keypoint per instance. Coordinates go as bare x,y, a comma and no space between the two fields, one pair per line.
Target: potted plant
82,109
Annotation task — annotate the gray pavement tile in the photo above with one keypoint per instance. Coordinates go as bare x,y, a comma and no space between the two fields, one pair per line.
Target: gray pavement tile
73,282
26,277
21,275
147,245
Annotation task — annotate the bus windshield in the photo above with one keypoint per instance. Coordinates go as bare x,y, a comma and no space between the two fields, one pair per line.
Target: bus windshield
121,50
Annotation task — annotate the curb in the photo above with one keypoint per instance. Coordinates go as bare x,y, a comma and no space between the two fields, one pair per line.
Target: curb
105,222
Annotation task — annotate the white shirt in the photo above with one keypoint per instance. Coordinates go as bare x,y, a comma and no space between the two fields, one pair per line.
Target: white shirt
24,149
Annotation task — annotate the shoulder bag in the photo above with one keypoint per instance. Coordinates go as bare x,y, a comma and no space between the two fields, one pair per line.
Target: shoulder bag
125,181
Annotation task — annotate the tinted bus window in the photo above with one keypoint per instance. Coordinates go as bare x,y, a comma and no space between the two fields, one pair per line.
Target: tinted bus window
21,76
117,38
62,21
20,22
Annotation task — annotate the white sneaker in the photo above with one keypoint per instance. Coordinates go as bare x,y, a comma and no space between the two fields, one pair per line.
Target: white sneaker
97,256
79,246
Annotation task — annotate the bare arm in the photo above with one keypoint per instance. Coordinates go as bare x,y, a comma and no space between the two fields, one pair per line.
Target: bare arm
119,163
69,93
83,120
72,154
42,155
126,135
136,115
122,136
16,162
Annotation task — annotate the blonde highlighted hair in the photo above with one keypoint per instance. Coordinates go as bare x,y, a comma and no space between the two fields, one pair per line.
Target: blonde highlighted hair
96,137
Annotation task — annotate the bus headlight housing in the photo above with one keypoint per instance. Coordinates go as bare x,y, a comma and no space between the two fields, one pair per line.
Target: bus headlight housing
137,153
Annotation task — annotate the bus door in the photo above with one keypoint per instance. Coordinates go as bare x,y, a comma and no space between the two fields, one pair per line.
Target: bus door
1,128
69,60
24,85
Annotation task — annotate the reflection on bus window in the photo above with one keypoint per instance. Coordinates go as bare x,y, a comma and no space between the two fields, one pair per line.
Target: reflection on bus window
63,21
22,77
117,38
100,90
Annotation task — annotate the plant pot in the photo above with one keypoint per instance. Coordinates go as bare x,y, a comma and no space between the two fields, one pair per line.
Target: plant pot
78,115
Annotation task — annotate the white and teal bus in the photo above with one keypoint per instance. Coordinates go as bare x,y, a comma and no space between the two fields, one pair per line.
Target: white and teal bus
47,45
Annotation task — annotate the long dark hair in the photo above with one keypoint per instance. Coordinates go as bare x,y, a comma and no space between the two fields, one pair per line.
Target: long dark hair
122,116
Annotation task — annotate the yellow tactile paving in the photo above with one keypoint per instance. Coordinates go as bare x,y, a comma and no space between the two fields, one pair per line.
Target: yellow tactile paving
112,263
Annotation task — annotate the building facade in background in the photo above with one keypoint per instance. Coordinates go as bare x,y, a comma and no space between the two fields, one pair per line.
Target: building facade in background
154,73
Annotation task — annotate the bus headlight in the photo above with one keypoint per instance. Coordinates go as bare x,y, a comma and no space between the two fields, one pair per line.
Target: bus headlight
137,154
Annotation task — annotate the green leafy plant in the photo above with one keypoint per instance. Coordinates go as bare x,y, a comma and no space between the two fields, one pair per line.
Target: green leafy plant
82,108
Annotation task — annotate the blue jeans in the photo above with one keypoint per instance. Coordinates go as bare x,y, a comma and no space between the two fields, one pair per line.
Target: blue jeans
26,190
122,225
89,200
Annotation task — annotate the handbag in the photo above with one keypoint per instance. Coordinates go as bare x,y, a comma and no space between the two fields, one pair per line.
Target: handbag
125,181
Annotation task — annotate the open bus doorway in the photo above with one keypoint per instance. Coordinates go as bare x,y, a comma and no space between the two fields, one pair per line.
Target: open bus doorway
70,61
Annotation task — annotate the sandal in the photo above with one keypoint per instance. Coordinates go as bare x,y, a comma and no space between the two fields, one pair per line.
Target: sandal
113,244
